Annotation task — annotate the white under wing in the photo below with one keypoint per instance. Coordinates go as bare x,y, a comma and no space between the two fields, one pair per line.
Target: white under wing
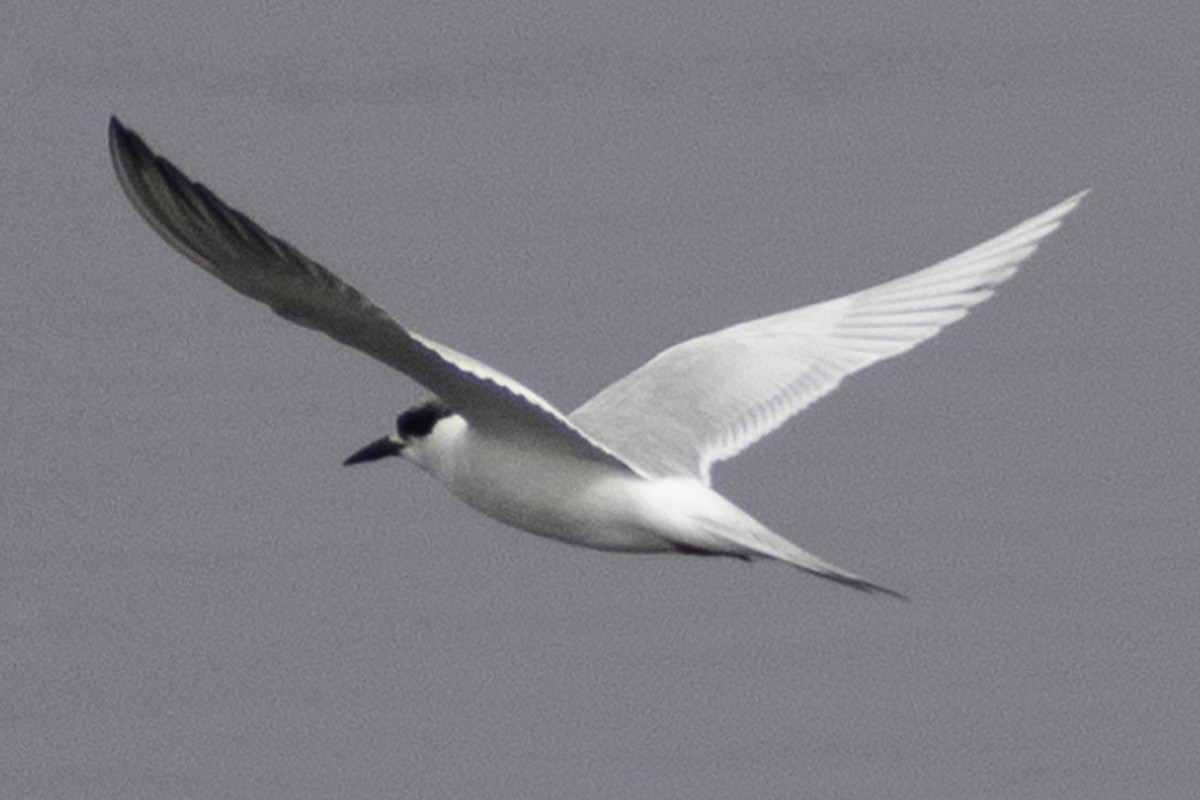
707,399
234,249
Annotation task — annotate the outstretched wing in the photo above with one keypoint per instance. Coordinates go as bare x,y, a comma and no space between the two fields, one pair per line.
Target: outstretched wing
707,399
234,249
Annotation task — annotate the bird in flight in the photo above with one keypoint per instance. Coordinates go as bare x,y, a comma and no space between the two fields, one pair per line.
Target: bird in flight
631,469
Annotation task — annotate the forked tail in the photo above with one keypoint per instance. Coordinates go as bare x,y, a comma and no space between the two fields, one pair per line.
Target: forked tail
771,545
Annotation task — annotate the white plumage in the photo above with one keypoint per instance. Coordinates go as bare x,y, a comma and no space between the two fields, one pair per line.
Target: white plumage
630,469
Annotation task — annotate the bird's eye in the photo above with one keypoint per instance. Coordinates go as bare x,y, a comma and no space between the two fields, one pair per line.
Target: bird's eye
418,422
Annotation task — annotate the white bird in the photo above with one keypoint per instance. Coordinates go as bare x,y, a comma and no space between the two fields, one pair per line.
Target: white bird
630,469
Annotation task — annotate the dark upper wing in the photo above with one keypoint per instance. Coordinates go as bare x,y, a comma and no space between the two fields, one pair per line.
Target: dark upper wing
232,248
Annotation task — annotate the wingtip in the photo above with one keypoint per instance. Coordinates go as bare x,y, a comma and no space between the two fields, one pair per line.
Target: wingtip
1058,212
116,129
125,144
122,142
1076,198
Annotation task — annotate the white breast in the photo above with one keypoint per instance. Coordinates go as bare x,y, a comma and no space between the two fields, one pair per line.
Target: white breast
580,502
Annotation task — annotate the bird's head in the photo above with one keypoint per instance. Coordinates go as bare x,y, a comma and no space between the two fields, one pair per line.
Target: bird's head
413,437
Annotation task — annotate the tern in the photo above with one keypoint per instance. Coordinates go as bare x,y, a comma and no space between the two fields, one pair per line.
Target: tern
631,469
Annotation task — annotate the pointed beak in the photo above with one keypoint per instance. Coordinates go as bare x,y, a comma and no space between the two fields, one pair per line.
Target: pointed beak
380,448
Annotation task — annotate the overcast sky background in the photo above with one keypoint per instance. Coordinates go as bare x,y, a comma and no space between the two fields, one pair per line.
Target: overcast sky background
197,600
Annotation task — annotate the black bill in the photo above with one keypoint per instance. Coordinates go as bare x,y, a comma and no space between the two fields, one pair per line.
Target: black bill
380,448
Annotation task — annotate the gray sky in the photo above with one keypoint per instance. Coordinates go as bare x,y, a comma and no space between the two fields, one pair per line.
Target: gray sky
196,600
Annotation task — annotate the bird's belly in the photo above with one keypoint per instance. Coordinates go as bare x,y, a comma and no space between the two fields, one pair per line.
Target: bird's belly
574,501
